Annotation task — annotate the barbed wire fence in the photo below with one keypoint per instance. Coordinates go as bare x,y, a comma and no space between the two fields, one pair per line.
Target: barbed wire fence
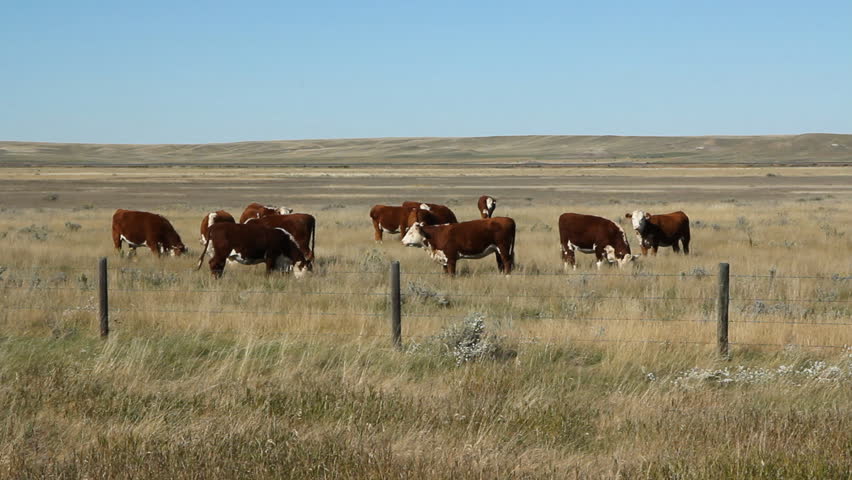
395,314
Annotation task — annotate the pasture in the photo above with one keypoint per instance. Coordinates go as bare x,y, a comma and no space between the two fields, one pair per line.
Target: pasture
609,373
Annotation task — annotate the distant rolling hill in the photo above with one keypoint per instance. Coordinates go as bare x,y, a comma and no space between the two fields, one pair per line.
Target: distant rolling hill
807,149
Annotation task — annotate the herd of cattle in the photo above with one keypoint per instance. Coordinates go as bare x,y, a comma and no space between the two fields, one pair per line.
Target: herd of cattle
284,240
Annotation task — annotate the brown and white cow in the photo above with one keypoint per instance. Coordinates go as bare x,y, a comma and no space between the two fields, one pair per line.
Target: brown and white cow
301,226
657,231
389,219
447,243
255,210
144,229
486,206
591,234
442,213
251,244
211,218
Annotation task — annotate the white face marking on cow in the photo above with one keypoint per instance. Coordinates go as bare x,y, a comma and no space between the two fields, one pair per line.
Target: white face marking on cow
638,218
423,206
438,256
489,202
485,211
414,236
300,269
610,254
284,211
211,219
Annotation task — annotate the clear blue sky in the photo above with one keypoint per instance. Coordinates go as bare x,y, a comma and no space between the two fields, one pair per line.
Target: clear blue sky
175,72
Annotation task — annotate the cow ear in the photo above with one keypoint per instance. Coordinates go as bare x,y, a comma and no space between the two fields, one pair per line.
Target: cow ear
628,215
648,216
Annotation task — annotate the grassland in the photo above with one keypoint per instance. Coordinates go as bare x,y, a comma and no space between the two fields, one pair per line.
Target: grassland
296,384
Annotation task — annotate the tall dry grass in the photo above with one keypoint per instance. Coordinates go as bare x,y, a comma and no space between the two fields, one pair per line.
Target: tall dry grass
285,381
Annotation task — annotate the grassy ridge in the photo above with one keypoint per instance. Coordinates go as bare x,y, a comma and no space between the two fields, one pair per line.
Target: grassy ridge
509,150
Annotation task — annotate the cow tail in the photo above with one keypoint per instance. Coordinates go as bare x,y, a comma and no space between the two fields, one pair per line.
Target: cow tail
313,240
203,252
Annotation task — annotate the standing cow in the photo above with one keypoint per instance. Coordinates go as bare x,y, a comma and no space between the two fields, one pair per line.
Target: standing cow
591,234
442,213
251,244
255,210
664,230
486,206
447,243
301,226
144,229
214,217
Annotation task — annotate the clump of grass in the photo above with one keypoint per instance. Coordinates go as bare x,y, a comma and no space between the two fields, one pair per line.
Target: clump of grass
467,341
36,232
74,227
51,197
424,293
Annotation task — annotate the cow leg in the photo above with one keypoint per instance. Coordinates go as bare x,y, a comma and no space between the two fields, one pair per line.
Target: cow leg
685,240
644,249
116,240
654,249
675,247
217,265
378,231
504,261
499,262
451,267
568,259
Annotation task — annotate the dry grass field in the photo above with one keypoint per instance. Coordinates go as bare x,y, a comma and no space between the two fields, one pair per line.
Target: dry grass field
585,374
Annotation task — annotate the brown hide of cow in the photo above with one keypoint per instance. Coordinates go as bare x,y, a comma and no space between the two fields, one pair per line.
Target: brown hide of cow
388,219
252,244
145,229
664,230
591,234
447,243
442,213
301,226
214,217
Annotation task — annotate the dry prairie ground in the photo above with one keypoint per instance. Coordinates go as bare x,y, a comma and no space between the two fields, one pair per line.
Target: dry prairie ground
272,377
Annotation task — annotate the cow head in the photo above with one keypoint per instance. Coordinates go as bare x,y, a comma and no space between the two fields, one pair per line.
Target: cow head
284,211
490,205
177,250
620,257
415,236
639,219
300,269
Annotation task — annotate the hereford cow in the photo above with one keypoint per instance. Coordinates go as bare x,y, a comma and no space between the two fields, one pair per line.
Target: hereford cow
143,229
486,206
442,213
446,244
656,231
591,234
251,244
301,226
388,219
256,210
211,218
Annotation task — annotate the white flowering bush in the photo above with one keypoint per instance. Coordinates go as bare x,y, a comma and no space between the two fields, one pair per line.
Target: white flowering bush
816,371
467,341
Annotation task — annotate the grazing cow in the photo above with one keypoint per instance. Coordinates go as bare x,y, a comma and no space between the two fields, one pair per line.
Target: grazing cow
474,239
143,229
591,234
255,210
442,213
251,244
388,219
211,218
303,229
661,230
486,206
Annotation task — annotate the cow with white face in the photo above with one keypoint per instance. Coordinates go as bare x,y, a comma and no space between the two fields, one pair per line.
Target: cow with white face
256,210
595,235
447,243
665,230
486,206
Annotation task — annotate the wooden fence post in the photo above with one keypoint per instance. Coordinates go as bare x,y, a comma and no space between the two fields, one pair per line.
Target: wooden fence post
103,297
395,305
722,308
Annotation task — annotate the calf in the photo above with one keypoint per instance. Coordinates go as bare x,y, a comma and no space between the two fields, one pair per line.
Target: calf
144,229
442,213
303,229
661,230
211,218
486,206
251,244
591,234
255,210
447,243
